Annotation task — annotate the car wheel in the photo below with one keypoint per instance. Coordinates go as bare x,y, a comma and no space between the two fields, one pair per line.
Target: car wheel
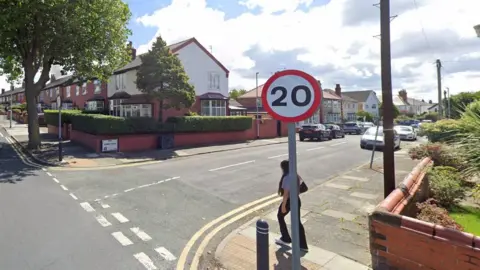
302,139
343,135
361,146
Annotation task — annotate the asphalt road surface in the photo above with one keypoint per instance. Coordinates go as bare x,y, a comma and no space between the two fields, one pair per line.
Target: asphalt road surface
142,217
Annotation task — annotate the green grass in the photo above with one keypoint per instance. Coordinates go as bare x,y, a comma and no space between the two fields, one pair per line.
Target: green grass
468,217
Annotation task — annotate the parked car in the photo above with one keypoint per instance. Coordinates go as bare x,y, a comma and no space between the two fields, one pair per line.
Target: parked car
335,131
365,125
368,139
351,128
406,132
314,131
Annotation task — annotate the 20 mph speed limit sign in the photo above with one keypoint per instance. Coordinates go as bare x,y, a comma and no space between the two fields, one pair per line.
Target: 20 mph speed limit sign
291,95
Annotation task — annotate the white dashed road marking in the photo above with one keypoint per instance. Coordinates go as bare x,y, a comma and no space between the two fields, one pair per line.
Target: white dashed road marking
103,221
233,165
122,239
338,144
49,174
141,234
2,135
165,254
104,205
139,187
56,180
73,196
145,260
120,217
87,207
316,148
277,156
44,169
64,187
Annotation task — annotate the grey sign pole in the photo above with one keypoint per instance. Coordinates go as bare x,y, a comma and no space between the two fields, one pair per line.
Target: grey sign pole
295,215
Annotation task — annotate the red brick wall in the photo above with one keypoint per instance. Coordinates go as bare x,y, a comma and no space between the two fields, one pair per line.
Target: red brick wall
402,242
126,143
79,101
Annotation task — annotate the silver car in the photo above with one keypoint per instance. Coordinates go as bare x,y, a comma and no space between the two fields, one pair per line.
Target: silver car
368,139
406,133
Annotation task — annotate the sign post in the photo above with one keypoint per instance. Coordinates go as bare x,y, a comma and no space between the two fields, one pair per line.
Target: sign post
59,106
292,96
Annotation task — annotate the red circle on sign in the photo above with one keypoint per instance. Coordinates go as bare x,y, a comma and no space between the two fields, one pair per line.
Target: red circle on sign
314,85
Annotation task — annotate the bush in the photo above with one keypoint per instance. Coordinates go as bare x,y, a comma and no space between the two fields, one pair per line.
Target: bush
469,139
441,154
51,116
445,185
430,212
441,131
210,123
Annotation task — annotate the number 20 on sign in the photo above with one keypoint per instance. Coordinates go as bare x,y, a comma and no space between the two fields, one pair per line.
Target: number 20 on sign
291,95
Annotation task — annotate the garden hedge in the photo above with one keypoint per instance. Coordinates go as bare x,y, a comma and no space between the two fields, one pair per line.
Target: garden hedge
51,116
210,123
441,131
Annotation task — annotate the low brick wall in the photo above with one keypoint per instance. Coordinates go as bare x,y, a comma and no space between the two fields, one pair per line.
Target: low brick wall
398,241
126,143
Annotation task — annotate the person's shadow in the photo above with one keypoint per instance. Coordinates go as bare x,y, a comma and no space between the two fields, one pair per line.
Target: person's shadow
284,259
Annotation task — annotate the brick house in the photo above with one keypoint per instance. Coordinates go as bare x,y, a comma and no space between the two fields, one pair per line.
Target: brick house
249,102
208,76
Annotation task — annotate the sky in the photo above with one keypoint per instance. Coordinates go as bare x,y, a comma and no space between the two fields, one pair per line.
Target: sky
336,41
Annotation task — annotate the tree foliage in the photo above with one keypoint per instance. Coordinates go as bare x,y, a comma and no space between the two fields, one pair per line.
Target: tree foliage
162,76
396,112
85,37
459,102
235,93
361,115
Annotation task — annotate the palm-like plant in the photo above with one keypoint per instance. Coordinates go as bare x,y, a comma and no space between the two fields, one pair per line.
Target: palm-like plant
469,138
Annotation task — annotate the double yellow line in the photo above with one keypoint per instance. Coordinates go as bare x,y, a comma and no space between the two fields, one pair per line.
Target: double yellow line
25,159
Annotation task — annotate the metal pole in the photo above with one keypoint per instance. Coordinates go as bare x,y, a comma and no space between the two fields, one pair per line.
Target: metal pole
60,157
295,215
439,85
257,120
262,245
11,110
386,63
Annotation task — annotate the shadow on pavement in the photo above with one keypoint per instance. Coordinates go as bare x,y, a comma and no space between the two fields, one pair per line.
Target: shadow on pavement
284,260
12,169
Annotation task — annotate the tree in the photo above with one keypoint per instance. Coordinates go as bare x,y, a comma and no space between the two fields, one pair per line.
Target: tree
364,115
235,93
396,112
459,102
86,37
161,75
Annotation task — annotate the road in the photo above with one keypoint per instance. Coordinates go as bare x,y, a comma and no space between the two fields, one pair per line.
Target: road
142,217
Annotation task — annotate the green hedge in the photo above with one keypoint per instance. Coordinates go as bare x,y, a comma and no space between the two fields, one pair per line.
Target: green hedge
441,131
210,123
51,116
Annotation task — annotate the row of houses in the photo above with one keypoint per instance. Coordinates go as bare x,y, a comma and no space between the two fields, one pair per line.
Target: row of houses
121,97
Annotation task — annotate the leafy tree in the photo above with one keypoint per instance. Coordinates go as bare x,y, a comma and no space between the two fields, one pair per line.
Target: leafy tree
161,75
459,102
363,114
235,93
396,112
85,37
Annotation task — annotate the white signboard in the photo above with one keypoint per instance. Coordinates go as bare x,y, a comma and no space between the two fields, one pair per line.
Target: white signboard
110,145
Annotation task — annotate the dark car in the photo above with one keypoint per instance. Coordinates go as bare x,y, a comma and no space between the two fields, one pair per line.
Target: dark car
335,131
352,128
314,131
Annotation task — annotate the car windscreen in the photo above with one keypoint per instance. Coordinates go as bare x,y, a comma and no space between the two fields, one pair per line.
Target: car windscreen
350,124
371,131
404,129
309,127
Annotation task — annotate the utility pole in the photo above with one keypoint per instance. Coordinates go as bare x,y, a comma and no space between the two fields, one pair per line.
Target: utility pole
386,64
439,85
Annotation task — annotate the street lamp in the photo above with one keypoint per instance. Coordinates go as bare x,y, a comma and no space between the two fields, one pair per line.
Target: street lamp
257,118
477,29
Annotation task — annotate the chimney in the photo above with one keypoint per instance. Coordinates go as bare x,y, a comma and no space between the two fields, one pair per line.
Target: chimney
338,90
403,94
52,78
3,91
133,51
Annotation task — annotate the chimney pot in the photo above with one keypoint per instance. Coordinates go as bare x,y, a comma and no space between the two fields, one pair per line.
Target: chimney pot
338,90
403,94
134,53
52,78
3,90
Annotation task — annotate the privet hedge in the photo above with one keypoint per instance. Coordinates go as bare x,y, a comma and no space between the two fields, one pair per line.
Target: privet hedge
100,124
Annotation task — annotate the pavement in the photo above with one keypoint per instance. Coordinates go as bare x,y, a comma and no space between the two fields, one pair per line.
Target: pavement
162,215
334,215
77,156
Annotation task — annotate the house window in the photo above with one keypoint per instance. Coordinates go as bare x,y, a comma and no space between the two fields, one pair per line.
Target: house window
67,106
50,92
77,90
57,91
374,106
366,106
115,107
120,81
67,90
84,88
136,110
95,105
214,81
214,108
98,87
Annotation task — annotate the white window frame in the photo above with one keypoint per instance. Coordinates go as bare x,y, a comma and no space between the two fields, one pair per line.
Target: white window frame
77,90
67,106
57,91
50,92
136,110
67,90
215,107
116,107
98,87
120,81
95,105
84,89
213,81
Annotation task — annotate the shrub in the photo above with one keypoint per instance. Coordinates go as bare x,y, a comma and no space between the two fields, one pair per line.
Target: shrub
445,185
441,131
210,123
51,116
441,154
430,212
469,139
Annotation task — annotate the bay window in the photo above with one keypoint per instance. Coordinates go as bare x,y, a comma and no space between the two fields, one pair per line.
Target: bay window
214,107
95,105
136,110
115,107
